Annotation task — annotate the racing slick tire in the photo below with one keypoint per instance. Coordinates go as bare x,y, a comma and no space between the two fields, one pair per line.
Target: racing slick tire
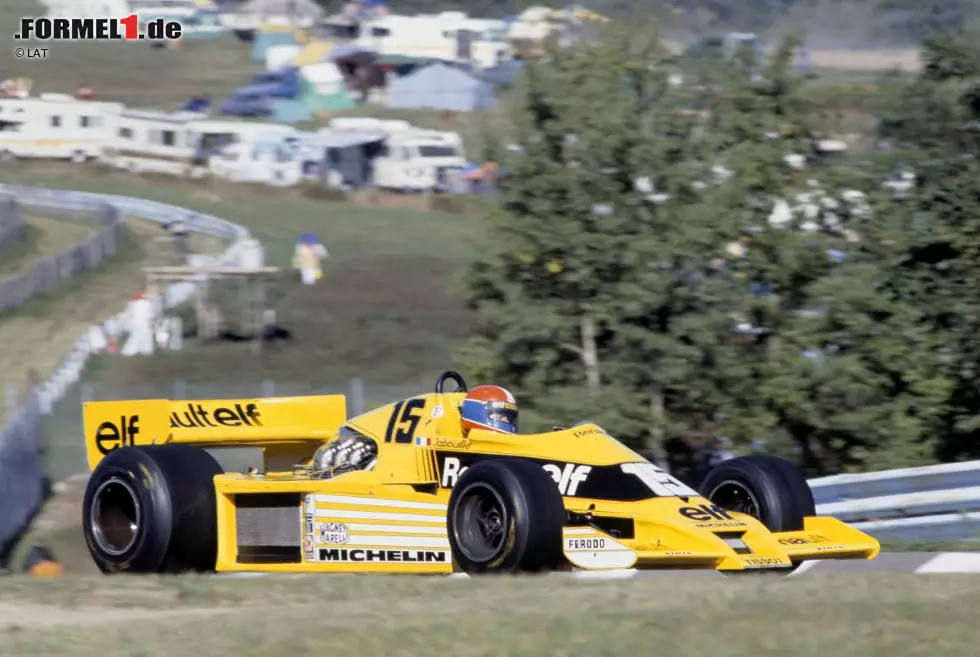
764,486
152,510
506,516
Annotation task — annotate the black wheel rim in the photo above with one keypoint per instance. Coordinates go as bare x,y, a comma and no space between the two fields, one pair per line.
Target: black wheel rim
480,523
735,496
114,516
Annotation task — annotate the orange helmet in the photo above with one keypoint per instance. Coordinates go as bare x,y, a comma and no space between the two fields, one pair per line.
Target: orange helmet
490,407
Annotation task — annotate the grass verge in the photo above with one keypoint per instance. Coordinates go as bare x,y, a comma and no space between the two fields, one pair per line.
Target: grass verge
42,237
847,616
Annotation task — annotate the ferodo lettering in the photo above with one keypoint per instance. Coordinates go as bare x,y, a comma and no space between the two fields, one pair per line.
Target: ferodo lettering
110,436
344,555
705,513
231,416
586,543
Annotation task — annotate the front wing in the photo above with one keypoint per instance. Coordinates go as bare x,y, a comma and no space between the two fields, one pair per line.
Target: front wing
671,547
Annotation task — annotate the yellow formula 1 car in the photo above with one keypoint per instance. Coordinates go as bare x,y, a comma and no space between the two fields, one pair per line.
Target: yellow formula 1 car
403,489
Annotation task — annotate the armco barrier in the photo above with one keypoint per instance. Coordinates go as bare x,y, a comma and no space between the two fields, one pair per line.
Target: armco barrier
20,288
11,226
934,502
21,471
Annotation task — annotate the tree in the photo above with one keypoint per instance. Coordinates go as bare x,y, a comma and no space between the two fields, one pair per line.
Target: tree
634,273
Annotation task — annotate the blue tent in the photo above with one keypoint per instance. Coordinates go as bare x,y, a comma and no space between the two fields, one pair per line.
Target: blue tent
441,87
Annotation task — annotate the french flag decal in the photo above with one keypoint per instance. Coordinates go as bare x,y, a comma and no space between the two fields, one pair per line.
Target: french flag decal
423,442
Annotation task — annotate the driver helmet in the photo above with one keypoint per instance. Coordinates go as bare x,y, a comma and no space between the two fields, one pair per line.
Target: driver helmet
489,407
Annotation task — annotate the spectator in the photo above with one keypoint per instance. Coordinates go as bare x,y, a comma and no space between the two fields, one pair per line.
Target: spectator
307,258
139,322
179,232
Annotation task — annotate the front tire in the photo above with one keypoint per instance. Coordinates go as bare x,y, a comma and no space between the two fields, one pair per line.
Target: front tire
152,510
506,516
763,486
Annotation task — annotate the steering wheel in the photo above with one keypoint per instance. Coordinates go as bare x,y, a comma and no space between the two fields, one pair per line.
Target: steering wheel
455,376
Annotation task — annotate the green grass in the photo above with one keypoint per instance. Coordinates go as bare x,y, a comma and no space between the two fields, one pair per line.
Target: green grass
42,237
131,73
845,616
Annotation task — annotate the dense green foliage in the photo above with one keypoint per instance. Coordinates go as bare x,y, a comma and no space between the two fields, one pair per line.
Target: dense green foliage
844,339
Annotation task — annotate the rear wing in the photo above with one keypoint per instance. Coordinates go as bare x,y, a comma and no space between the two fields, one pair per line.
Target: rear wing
284,426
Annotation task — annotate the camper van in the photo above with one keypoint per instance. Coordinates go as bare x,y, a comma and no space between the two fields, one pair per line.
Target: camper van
187,144
154,142
55,126
170,9
410,159
246,152
449,36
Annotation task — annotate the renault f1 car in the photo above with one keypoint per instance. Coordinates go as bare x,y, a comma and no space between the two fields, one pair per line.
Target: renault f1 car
403,489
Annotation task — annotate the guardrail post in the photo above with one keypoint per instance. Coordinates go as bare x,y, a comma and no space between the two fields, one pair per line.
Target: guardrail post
12,400
268,388
356,397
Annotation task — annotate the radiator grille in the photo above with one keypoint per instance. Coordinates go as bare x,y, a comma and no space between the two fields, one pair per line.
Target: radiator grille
269,527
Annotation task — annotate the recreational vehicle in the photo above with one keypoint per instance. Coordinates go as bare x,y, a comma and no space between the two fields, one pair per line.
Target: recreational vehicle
246,152
170,9
449,36
55,126
155,142
187,144
410,159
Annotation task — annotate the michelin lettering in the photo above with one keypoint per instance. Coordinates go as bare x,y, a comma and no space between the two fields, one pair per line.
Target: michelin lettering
196,416
110,436
343,555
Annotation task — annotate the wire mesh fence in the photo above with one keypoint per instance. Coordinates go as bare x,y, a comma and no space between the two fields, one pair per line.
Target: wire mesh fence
50,270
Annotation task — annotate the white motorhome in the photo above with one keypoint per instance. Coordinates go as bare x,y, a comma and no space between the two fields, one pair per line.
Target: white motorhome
55,126
188,144
410,159
154,142
169,8
87,8
241,151
449,36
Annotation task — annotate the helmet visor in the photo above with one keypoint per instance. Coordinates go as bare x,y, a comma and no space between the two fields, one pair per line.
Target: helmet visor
503,419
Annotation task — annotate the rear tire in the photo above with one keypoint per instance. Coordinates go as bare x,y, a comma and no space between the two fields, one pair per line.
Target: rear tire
506,516
766,487
152,510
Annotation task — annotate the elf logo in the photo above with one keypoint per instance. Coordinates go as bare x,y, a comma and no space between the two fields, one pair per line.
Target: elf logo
231,416
110,436
568,476
705,513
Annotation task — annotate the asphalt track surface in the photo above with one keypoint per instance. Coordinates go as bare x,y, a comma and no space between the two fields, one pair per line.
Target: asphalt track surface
887,562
